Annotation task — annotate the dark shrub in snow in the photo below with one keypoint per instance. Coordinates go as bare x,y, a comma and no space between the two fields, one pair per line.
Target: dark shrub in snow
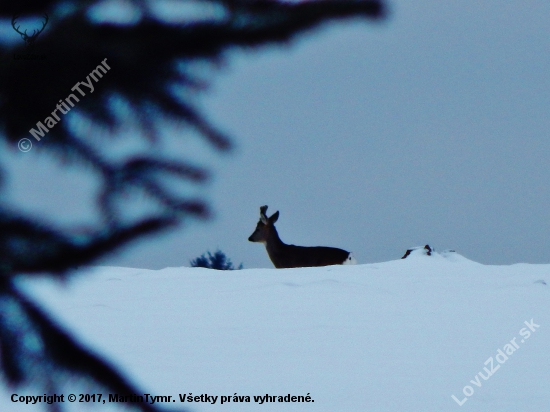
218,261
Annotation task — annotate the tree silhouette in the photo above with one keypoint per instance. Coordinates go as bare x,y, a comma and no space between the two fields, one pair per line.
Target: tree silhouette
218,261
151,79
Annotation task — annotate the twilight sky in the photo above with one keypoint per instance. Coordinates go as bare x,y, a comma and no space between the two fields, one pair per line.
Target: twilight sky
430,127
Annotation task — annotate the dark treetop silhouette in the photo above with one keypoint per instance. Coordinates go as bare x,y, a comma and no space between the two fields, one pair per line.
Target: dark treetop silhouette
217,261
148,58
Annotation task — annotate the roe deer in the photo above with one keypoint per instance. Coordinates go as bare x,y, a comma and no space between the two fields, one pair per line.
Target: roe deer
291,256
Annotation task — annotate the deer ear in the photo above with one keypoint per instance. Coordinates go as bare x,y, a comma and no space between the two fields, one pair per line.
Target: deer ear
274,217
263,219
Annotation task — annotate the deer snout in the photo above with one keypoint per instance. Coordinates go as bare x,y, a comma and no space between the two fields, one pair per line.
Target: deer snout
256,237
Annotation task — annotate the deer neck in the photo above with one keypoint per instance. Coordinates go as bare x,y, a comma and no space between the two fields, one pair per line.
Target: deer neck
274,244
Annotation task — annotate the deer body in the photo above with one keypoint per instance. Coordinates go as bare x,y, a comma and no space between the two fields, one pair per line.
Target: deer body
291,256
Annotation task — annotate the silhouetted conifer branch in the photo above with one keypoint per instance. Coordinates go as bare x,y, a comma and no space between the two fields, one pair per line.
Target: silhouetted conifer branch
34,349
150,63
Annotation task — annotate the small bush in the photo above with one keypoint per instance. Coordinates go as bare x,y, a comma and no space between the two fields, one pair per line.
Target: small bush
218,261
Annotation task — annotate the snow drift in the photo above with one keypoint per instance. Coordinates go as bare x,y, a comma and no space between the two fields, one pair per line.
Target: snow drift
416,334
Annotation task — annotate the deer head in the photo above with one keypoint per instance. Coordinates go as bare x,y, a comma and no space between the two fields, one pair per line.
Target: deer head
264,227
29,40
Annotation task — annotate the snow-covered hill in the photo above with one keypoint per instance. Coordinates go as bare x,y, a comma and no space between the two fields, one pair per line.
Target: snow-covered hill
404,335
